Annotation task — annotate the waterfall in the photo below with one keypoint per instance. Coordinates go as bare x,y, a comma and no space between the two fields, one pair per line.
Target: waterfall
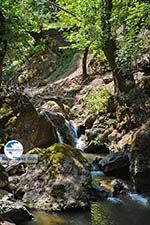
78,142
59,137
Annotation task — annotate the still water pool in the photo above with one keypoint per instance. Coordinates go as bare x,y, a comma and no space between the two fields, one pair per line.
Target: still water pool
132,210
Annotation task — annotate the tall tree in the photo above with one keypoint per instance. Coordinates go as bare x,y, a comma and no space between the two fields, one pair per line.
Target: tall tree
123,79
111,26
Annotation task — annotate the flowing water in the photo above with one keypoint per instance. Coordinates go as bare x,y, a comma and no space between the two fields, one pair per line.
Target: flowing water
125,211
79,143
132,209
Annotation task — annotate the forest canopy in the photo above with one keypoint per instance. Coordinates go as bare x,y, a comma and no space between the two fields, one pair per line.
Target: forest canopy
110,28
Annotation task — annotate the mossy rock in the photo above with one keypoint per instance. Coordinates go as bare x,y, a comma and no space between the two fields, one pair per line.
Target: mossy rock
60,180
140,159
58,154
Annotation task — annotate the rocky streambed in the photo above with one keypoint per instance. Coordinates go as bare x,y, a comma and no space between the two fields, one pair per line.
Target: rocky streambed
64,178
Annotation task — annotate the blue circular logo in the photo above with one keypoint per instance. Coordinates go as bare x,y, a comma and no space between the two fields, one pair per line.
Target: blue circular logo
13,149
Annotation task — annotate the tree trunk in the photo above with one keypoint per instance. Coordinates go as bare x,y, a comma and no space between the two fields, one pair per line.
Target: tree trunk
123,80
3,43
84,63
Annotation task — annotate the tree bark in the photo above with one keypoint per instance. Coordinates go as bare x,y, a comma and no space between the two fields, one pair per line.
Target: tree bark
84,63
123,80
3,43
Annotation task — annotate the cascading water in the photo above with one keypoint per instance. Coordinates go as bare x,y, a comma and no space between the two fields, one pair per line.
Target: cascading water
78,142
139,198
59,137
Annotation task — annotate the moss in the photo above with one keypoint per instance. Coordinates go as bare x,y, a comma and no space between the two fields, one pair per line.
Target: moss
5,110
58,154
97,101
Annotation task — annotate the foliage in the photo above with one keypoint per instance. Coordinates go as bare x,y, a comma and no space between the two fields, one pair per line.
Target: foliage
84,22
23,17
111,26
97,101
127,19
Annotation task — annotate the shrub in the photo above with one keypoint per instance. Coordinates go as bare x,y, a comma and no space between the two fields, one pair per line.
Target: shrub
97,101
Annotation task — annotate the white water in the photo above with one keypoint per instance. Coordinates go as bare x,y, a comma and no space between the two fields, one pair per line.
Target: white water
114,200
134,197
59,137
79,143
97,173
139,198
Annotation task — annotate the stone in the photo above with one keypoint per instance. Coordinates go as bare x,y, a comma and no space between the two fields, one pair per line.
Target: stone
107,79
16,168
4,222
143,63
98,193
140,159
4,193
113,136
119,187
60,180
3,177
116,164
92,133
38,128
96,148
14,211
67,131
145,82
31,128
34,130
88,122
125,142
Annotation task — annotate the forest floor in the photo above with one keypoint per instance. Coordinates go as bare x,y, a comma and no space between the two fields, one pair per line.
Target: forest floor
71,84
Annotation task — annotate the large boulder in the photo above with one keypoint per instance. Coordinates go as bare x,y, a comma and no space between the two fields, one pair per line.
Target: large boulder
15,212
140,159
3,177
60,180
38,128
33,129
66,130
116,164
27,125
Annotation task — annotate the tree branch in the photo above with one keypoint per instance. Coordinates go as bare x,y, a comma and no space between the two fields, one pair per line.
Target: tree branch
61,8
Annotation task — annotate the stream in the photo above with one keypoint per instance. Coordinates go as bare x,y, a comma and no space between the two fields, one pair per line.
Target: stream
132,209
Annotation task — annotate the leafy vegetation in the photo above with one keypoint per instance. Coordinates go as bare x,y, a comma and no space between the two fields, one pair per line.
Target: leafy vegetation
109,26
97,101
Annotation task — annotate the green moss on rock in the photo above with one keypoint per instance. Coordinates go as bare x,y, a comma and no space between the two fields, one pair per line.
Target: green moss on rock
60,180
